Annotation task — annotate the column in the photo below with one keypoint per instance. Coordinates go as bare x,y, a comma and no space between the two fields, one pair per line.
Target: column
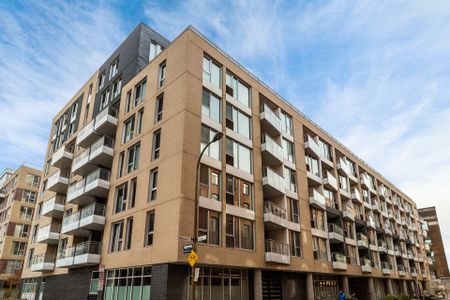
404,287
389,287
257,284
345,286
309,286
371,289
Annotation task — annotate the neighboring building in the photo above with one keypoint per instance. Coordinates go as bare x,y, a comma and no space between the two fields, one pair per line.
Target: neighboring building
434,246
18,193
287,211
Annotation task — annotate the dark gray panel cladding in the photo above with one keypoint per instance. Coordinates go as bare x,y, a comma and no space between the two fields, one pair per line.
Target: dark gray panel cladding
133,57
72,286
169,282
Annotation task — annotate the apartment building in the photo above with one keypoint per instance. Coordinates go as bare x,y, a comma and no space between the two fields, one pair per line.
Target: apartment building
285,210
434,246
18,193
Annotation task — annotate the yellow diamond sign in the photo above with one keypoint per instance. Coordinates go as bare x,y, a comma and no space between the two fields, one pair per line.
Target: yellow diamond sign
192,258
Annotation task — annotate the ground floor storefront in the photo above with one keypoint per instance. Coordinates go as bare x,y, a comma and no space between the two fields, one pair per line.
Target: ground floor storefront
173,281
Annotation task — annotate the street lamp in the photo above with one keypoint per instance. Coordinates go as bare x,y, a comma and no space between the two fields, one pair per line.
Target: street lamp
215,138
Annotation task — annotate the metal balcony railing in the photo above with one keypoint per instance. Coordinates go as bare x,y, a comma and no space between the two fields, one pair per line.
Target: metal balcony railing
335,228
272,208
277,247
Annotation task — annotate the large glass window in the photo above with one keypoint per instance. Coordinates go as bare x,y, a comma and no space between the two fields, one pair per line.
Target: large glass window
116,237
296,243
294,211
159,104
312,165
213,150
239,192
162,74
149,228
212,72
128,283
210,182
286,123
209,225
238,90
320,251
133,157
26,213
239,233
155,49
139,92
121,198
22,230
128,130
18,248
153,184
238,122
239,156
288,150
128,233
156,144
290,179
211,106
317,219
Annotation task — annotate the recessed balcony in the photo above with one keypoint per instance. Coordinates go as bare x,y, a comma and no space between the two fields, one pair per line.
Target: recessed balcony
49,234
277,252
366,265
413,273
91,217
343,166
385,268
99,153
316,199
376,206
349,213
339,261
272,152
54,207
401,270
270,122
275,217
94,185
273,183
312,147
335,233
356,195
330,181
58,182
382,246
44,262
62,158
362,241
84,254
371,223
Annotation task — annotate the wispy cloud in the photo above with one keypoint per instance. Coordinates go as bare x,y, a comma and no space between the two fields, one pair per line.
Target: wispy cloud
47,51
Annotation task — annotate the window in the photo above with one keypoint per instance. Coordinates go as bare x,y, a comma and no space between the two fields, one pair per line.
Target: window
139,92
101,81
211,106
286,123
121,198
128,233
120,164
155,49
156,144
104,98
117,88
162,74
239,233
93,287
213,150
290,178
239,192
133,157
312,165
21,230
140,119
239,156
62,247
18,248
113,68
209,183
238,90
128,283
295,241
288,150
133,189
153,185
116,237
128,130
159,108
317,219
149,228
237,121
30,258
320,248
32,180
294,211
26,213
343,183
128,102
13,266
209,225
29,196
212,72
325,149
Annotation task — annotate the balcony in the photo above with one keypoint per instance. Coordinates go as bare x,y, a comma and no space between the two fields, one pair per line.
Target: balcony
91,217
43,262
316,199
387,229
376,206
272,153
413,273
382,246
54,207
330,181
410,255
366,265
349,213
385,268
277,252
335,233
273,183
362,241
270,122
62,158
397,251
339,261
275,217
365,180
104,124
84,254
48,234
383,191
371,223
401,270
312,147
356,195
94,185
58,182
343,166
99,154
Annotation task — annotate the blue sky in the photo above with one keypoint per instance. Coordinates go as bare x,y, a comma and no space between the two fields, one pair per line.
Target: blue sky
375,74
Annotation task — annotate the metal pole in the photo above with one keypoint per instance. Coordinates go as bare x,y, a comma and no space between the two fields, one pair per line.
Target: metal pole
216,137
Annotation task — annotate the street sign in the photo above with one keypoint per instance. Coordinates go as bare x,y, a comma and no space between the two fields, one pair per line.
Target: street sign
202,238
185,238
197,274
192,258
187,248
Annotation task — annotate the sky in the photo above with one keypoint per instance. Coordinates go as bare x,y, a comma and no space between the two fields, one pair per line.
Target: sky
374,74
